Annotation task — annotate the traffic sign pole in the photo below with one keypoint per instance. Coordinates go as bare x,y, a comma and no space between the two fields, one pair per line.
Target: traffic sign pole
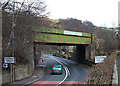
11,71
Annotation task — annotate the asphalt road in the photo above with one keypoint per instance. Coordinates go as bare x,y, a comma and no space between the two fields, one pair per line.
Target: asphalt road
73,72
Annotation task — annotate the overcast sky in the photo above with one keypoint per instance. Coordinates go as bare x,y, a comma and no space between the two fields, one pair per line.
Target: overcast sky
100,12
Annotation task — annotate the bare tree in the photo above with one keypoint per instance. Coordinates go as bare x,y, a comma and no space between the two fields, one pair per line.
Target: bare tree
106,41
4,4
32,7
27,16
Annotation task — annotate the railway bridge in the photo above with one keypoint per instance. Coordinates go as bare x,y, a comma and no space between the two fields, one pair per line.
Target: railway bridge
52,36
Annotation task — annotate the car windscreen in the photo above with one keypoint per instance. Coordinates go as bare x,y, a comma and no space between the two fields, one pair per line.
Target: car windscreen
57,66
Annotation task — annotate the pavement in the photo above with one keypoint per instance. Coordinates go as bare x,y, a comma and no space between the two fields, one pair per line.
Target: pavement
38,73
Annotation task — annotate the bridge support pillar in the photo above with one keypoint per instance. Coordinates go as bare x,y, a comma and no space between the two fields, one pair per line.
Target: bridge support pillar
83,53
90,52
38,48
79,54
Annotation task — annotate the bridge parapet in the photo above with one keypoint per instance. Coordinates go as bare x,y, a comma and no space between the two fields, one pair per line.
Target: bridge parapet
50,35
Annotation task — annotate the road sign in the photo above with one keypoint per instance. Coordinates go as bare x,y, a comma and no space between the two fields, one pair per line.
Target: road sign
5,65
9,60
99,59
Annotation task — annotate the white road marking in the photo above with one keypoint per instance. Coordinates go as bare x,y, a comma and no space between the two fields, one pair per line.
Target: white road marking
67,67
66,70
34,80
65,64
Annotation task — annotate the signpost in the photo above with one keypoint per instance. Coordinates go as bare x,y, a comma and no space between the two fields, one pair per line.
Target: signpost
11,61
5,66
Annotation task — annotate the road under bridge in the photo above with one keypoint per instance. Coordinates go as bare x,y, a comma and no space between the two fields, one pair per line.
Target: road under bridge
82,41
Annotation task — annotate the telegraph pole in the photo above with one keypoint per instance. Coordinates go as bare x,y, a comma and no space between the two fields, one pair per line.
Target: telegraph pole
13,25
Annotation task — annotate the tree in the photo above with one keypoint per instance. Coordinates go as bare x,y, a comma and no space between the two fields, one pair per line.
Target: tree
106,40
4,4
27,16
75,25
34,7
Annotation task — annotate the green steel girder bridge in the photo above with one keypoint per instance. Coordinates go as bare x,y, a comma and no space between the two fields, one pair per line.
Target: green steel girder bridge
50,35
82,41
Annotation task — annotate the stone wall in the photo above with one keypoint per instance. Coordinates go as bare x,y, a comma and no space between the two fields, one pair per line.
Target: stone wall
21,72
83,53
87,53
90,52
79,54
37,52
6,78
37,57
